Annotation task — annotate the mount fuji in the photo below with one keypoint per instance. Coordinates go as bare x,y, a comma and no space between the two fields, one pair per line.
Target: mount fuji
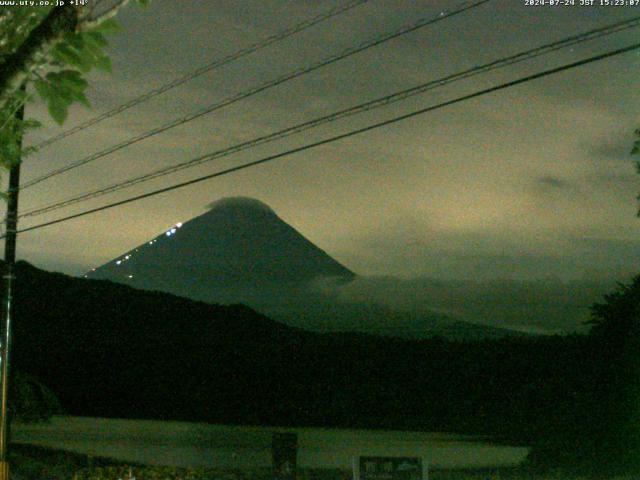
241,251
238,251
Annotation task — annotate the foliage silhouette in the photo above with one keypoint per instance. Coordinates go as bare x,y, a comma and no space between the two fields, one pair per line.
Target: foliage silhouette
110,350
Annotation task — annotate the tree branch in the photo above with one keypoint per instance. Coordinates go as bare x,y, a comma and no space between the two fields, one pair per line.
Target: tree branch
104,16
15,68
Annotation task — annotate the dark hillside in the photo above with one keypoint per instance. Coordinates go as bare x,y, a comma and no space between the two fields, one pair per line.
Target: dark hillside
110,350
241,251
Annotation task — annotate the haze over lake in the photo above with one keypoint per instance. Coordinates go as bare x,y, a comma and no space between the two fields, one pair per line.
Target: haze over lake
198,444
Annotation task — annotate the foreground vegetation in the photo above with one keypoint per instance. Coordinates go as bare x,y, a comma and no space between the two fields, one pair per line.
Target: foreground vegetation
37,463
573,399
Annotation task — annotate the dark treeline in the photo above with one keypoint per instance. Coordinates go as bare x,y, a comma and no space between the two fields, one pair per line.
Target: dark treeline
108,350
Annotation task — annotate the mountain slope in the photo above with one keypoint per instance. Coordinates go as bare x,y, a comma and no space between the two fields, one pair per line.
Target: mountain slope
239,248
110,350
240,251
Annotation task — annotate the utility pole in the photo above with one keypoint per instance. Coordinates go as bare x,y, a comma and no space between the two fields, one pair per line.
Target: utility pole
9,276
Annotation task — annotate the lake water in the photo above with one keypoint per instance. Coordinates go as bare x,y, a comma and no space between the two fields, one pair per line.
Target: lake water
199,444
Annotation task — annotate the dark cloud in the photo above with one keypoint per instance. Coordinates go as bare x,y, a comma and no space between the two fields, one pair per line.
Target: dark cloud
547,307
616,150
552,182
617,180
506,185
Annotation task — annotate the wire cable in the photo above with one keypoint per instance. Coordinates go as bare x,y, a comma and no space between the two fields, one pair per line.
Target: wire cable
377,103
335,138
304,25
265,86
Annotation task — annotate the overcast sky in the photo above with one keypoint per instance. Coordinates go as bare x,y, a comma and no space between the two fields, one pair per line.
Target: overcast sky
530,182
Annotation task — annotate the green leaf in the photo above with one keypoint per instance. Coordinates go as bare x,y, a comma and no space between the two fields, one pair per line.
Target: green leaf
104,63
60,92
15,159
43,89
64,84
74,77
29,150
9,150
19,96
64,53
58,109
74,40
80,97
96,38
69,79
73,50
91,53
31,124
108,26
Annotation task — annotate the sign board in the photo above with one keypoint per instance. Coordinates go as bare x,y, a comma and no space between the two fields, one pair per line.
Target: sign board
284,450
388,468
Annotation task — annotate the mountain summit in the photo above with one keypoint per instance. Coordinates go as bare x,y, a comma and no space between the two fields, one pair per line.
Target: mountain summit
238,250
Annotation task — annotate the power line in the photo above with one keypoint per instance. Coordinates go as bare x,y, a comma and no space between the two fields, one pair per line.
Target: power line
233,99
380,102
260,88
351,133
304,25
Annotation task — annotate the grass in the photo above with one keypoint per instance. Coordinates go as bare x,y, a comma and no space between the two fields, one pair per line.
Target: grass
32,462
39,463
